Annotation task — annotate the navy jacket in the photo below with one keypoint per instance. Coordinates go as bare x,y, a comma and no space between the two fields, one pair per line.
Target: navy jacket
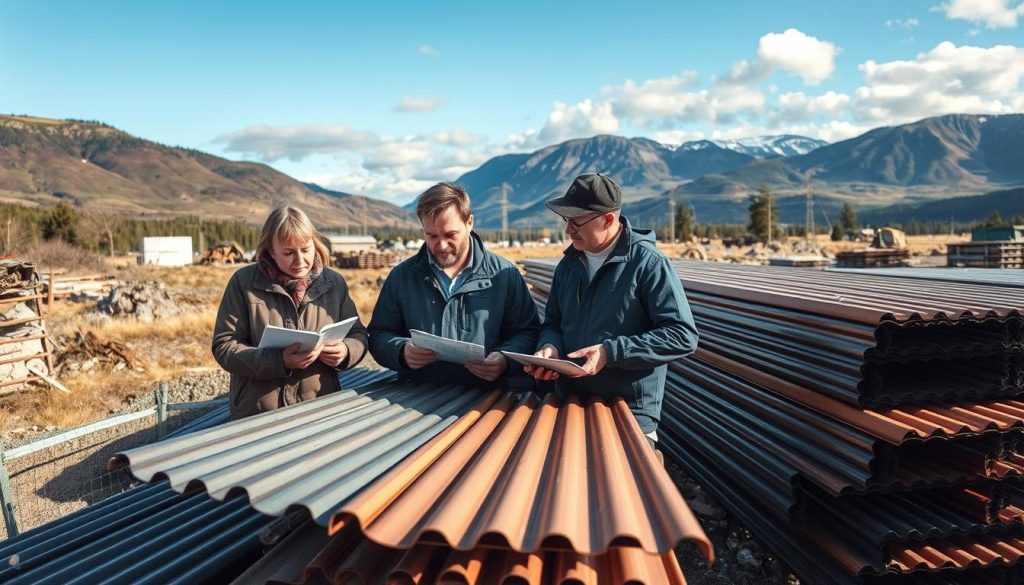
491,307
636,307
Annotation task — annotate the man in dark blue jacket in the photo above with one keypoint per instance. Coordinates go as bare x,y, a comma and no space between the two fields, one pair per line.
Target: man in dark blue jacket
453,288
614,301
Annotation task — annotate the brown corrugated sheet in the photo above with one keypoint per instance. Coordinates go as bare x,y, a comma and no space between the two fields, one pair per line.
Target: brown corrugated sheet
530,475
310,556
864,298
895,424
956,552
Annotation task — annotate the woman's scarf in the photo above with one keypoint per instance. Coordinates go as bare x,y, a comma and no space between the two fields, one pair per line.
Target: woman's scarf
296,287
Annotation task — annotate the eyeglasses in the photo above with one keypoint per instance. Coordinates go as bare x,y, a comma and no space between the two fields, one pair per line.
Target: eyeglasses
575,227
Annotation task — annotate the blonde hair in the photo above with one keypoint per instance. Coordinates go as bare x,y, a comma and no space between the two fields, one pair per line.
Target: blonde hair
290,223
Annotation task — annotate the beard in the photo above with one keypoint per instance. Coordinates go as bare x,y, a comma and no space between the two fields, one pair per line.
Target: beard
450,255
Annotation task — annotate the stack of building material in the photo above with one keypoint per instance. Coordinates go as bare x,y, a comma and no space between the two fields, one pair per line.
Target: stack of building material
998,254
511,485
24,346
532,490
865,428
366,259
149,534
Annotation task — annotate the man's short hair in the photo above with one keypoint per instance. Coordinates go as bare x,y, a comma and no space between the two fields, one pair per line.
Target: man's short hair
435,200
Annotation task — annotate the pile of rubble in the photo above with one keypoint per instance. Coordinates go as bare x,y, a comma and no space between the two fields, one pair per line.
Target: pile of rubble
142,300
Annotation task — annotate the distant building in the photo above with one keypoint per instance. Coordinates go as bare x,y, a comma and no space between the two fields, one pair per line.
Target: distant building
342,244
166,251
1003,233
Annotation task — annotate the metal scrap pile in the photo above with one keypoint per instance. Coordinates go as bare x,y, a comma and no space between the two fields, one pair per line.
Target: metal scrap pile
866,428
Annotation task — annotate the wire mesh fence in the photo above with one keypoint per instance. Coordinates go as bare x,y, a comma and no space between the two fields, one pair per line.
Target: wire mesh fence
50,480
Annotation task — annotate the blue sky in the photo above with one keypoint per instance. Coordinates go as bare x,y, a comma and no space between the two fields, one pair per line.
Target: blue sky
389,98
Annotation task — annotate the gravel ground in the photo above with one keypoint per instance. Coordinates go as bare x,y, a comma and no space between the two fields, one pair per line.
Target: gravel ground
740,558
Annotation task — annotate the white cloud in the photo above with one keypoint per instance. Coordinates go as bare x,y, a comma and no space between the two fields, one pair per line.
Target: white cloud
907,23
271,143
992,13
397,154
798,106
947,79
660,102
419,105
675,137
429,51
384,186
583,119
452,138
794,51
744,72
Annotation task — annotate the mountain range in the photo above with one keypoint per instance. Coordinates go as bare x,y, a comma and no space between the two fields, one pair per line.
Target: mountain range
934,158
897,170
98,167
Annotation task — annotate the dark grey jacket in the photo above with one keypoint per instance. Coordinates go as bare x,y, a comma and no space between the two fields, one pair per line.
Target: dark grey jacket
259,380
636,307
491,307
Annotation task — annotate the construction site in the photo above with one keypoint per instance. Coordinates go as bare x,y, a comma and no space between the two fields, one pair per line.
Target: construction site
835,426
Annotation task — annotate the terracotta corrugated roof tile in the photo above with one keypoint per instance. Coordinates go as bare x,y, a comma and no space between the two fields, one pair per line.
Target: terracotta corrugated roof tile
530,475
308,554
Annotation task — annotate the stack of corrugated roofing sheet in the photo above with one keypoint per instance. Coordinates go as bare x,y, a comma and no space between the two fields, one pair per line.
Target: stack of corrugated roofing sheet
811,411
309,555
463,470
534,491
865,340
149,534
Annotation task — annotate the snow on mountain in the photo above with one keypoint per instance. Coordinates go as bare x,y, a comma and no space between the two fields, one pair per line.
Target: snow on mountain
772,146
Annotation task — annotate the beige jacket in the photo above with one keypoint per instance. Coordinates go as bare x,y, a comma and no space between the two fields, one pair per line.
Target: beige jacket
259,380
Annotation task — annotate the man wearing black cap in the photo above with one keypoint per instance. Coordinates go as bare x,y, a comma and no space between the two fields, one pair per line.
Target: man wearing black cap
615,302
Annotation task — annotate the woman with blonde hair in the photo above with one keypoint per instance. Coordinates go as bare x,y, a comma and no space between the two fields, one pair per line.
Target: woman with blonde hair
289,286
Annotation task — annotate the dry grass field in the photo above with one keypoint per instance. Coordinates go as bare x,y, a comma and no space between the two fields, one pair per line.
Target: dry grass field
165,349
173,347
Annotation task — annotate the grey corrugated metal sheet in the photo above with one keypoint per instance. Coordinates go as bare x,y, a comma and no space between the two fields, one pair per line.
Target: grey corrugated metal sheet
314,454
986,276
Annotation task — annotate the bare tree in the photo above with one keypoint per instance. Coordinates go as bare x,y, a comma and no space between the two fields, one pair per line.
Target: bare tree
103,223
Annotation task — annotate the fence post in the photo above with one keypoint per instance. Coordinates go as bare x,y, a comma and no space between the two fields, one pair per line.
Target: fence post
161,409
7,498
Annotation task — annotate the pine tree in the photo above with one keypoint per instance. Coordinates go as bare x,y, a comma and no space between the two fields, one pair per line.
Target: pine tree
837,233
994,220
59,223
764,215
684,222
848,218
